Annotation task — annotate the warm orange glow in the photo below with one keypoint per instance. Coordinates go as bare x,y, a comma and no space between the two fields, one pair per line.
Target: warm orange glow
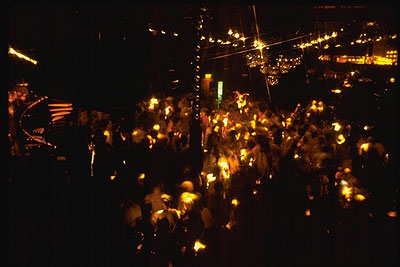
60,113
198,246
347,170
392,80
152,141
106,133
235,202
392,214
156,127
243,154
141,176
112,177
346,192
211,177
13,52
340,139
57,118
224,165
153,101
61,109
364,147
359,197
337,126
188,198
308,213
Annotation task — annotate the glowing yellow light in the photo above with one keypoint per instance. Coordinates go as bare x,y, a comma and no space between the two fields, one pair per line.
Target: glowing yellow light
246,136
59,105
364,147
308,114
160,135
237,136
296,156
188,198
135,132
340,139
392,80
255,192
336,91
152,141
208,76
314,107
124,162
251,162
243,154
13,52
347,170
153,101
112,177
198,245
308,213
211,177
60,113
61,109
236,35
235,202
216,129
320,109
270,176
141,176
359,197
337,126
347,191
225,121
230,32
253,124
106,133
224,165
156,127
243,39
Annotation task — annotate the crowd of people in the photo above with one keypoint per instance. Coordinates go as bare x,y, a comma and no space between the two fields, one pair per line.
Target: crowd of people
277,187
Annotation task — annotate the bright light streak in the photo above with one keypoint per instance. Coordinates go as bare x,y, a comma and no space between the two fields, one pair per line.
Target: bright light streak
60,109
359,197
65,105
60,113
13,52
